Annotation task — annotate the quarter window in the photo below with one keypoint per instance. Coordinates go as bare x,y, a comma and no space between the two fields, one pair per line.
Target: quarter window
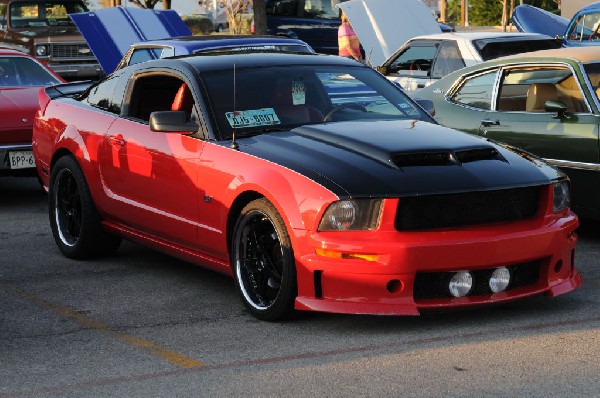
448,60
102,95
477,91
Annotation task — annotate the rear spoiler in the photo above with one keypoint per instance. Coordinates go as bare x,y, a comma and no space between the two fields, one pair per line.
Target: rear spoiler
68,89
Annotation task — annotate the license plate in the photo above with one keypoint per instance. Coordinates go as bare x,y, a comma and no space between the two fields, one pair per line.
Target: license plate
21,159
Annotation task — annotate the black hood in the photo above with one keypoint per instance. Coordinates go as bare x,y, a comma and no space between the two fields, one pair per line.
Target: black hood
397,158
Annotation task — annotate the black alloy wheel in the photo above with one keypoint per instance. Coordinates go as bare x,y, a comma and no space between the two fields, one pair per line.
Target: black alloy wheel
75,222
263,262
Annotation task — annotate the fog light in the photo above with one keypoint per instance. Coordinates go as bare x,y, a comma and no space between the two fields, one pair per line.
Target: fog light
500,279
460,284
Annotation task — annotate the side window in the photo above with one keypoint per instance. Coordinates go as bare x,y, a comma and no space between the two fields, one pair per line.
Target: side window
476,91
144,54
416,60
283,8
448,60
151,93
586,28
102,95
167,52
325,9
528,89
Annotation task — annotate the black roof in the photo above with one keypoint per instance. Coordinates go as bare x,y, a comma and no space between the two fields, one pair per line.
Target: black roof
225,61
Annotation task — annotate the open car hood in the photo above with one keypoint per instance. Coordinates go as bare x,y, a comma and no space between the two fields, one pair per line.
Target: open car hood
383,26
110,31
531,19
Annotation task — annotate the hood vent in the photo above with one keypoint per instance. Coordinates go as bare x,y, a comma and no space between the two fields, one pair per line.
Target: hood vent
445,158
473,155
423,159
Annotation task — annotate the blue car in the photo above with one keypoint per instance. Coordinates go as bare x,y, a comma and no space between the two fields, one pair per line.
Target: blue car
120,36
582,30
155,49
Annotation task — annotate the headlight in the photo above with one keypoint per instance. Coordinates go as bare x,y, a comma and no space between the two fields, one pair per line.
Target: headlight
41,50
351,215
562,195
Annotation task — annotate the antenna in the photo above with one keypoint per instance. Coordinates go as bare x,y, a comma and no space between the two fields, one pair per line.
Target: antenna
368,58
234,145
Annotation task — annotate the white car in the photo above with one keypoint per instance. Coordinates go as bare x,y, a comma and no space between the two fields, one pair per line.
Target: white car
424,59
409,48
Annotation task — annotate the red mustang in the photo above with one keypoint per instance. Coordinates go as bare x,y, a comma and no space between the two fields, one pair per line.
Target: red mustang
311,179
21,77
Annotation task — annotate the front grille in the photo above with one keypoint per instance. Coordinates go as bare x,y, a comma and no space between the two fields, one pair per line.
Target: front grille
434,285
77,50
469,208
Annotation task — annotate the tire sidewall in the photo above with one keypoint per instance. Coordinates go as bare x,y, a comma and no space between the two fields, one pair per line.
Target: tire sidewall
92,240
283,306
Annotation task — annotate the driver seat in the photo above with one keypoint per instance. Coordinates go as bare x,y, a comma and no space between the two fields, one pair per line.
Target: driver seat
183,100
284,105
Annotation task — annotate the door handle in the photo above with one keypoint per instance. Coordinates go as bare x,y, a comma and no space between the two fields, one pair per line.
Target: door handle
421,85
116,140
489,122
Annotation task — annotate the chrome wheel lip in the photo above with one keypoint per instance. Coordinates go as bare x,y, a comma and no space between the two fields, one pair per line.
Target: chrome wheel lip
59,210
240,271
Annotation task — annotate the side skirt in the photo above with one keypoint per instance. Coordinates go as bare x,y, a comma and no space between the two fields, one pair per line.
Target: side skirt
169,248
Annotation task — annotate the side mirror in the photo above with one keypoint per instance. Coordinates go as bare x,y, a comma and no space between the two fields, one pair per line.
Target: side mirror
557,107
382,69
427,105
172,122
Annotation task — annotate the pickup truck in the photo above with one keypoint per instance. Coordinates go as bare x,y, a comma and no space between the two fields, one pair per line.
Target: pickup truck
44,30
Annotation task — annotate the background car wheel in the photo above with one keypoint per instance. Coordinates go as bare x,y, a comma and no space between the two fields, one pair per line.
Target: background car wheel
263,262
74,220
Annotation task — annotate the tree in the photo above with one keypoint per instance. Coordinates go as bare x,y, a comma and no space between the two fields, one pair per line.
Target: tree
260,17
232,9
489,12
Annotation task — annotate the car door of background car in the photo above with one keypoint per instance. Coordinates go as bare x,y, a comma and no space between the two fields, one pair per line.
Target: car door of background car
520,118
152,176
464,107
412,66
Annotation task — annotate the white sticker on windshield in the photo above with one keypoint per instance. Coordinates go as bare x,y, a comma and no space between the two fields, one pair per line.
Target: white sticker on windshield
298,92
252,118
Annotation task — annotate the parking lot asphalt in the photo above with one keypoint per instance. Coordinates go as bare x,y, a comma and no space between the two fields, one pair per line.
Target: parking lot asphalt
142,324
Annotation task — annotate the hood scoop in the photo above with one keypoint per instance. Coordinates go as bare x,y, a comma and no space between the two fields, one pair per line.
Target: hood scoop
446,158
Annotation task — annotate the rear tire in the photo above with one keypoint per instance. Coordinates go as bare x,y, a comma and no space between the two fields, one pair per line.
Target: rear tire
263,262
74,220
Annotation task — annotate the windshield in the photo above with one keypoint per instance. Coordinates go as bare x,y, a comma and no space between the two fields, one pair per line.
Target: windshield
26,14
586,28
21,71
281,98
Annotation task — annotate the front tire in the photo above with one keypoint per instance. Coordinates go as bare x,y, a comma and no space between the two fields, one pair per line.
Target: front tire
74,220
263,262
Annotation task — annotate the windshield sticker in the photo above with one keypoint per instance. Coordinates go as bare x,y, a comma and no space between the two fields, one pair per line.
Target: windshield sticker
298,92
252,118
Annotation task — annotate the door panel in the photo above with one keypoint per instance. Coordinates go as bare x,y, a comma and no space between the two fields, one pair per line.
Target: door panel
574,140
152,179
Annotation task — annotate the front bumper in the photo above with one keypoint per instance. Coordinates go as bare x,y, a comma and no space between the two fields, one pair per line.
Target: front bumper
387,286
